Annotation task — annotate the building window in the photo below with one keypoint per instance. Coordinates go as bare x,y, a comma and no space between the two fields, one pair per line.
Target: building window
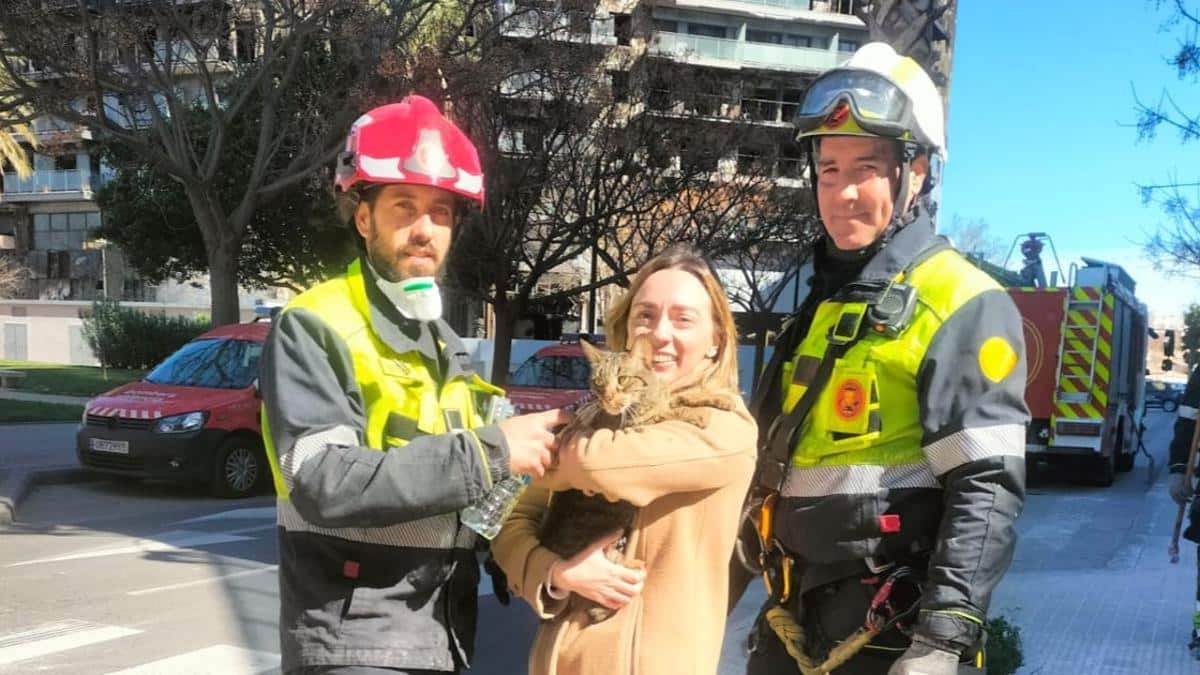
65,162
706,30
623,28
798,41
843,6
149,43
620,85
580,22
748,161
848,45
665,26
764,36
246,42
63,231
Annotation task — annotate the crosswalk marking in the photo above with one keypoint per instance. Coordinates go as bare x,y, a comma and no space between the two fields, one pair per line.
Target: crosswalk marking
253,513
57,637
215,660
166,541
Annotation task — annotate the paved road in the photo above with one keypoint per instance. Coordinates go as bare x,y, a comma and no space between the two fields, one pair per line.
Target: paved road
153,578
26,446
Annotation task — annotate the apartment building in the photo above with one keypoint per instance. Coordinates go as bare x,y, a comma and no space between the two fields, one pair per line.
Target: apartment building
723,77
49,219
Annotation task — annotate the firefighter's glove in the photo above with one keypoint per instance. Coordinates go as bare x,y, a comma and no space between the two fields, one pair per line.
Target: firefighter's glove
1180,490
924,659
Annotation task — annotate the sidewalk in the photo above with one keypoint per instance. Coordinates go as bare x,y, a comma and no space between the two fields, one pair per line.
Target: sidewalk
16,484
1092,588
17,395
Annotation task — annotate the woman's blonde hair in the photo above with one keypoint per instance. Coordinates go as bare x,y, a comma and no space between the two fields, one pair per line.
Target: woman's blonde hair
723,373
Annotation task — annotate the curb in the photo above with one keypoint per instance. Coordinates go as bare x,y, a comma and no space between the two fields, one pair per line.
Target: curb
17,484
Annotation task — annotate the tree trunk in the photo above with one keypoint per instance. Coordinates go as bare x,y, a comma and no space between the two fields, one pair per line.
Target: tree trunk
223,282
223,245
506,315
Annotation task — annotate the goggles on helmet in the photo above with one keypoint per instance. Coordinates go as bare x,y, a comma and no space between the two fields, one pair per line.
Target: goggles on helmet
878,106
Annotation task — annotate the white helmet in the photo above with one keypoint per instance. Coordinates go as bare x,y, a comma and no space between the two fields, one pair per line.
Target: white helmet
875,93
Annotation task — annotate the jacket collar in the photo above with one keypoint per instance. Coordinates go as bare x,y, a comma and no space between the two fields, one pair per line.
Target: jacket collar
901,249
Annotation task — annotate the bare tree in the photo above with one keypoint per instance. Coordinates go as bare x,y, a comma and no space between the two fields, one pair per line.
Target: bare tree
1176,243
130,71
581,172
973,236
12,276
764,276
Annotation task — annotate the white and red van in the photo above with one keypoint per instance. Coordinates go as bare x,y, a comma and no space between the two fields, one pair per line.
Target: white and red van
195,417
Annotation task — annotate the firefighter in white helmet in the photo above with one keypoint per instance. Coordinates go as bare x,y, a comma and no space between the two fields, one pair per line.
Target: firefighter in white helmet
892,416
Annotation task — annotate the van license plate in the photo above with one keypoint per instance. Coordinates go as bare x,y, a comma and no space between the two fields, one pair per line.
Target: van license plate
102,445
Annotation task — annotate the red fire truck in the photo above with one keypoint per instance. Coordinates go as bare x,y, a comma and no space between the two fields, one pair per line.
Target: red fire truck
1086,345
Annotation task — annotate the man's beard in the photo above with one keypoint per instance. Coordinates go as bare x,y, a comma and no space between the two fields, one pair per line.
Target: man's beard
386,262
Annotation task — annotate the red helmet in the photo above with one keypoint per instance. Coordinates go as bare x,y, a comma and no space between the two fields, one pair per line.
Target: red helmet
410,142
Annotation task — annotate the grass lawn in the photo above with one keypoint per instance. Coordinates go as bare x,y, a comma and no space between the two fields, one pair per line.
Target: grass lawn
30,411
55,378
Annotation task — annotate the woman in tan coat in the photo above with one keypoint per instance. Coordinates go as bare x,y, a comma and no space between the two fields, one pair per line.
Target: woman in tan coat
688,484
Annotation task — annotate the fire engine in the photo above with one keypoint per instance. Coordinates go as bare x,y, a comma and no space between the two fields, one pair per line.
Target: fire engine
1086,347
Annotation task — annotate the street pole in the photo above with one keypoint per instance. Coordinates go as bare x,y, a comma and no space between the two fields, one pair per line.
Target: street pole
592,295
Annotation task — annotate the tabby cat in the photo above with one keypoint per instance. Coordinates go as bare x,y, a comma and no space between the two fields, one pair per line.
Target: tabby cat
627,394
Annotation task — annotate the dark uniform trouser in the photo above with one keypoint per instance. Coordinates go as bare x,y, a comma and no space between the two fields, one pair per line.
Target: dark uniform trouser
834,612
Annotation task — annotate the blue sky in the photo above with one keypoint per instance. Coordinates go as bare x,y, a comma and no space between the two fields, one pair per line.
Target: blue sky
1039,93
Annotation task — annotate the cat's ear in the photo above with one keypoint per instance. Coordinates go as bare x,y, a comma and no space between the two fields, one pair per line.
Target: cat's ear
641,349
592,354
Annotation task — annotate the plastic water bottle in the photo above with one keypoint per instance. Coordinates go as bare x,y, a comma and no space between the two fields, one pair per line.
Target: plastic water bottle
487,514
490,511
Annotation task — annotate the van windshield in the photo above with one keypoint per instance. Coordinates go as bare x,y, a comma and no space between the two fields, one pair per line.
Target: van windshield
553,372
216,363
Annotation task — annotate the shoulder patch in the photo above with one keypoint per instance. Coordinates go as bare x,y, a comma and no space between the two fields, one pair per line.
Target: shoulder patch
997,358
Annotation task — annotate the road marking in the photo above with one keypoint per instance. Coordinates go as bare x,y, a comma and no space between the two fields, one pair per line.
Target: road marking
257,513
197,582
57,637
215,660
173,540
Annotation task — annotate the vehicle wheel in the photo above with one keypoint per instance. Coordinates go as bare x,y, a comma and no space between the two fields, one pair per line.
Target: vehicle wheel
1125,461
1103,471
1123,458
1170,405
240,468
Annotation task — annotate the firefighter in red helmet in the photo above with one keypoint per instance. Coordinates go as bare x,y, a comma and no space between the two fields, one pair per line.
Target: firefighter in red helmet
377,431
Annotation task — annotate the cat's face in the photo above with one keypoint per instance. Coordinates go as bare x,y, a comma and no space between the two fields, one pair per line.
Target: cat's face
621,379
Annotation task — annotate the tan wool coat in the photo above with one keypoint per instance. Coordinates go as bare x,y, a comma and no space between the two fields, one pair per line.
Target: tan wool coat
689,484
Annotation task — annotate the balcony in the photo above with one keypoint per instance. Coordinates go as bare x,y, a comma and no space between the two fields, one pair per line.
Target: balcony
839,13
557,24
738,54
46,185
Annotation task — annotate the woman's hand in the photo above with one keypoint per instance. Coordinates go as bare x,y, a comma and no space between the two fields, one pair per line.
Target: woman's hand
597,578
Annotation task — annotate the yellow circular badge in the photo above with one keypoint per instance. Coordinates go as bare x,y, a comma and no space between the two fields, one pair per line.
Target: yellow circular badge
997,358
